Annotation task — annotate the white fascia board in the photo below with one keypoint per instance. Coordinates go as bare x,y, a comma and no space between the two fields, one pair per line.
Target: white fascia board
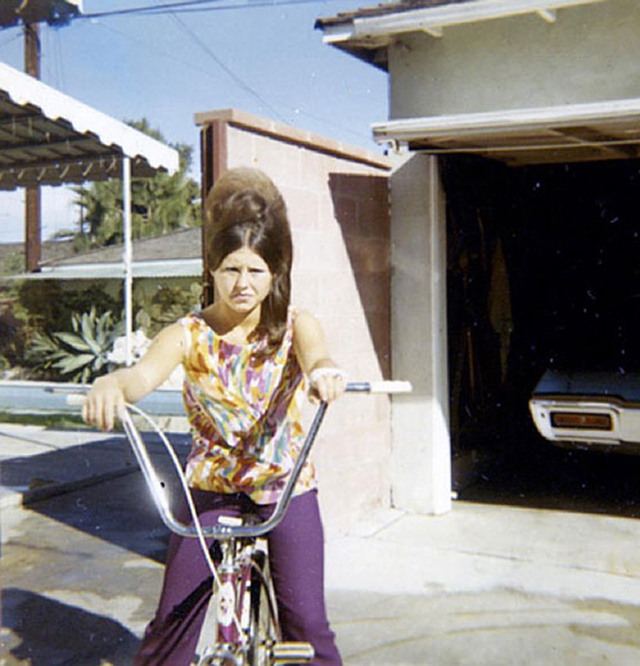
467,124
110,271
89,271
341,32
168,269
434,18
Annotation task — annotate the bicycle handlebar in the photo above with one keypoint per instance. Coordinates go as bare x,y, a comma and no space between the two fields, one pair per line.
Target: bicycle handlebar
389,386
156,486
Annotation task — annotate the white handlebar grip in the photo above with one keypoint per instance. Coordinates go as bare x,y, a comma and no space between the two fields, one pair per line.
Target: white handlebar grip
76,399
390,386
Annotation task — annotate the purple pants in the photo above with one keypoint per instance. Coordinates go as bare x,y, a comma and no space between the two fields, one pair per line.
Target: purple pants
296,555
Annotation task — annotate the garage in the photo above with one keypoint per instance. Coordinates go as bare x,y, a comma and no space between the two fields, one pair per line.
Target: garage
542,249
502,114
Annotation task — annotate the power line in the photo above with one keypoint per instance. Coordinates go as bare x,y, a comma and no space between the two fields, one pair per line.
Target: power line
193,6
154,50
240,82
145,8
293,111
253,4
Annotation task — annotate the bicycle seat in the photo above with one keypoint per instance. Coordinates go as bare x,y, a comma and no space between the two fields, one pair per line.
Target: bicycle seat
236,521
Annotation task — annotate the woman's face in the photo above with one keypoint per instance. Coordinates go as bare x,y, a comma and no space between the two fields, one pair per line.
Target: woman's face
242,280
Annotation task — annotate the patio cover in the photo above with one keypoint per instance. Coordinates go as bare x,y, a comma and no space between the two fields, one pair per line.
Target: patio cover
49,138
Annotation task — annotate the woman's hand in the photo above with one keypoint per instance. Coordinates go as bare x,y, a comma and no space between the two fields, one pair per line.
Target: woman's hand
326,380
104,403
327,383
109,394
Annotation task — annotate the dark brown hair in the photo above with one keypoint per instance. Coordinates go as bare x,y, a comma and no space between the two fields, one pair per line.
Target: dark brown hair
245,209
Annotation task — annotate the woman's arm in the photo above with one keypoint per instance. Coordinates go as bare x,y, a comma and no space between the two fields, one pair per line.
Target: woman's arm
108,395
326,378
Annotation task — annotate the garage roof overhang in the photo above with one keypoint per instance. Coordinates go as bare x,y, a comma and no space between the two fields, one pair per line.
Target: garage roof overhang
49,138
566,133
367,33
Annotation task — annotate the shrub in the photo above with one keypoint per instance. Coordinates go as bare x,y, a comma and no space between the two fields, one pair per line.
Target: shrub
82,355
167,305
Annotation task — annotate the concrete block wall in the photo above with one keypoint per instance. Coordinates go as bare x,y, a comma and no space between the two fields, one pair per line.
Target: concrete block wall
338,206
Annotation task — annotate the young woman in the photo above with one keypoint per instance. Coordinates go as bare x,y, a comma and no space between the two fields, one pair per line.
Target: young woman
247,358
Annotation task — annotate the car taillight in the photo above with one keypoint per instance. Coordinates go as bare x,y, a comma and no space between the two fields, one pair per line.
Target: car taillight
581,421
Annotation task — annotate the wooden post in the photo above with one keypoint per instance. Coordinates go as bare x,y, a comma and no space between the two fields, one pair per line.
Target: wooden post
213,151
32,211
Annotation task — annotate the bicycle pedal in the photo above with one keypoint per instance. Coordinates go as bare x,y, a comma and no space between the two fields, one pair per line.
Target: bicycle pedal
292,653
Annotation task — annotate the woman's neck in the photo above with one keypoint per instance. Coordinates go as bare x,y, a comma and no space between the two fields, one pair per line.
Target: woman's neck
232,326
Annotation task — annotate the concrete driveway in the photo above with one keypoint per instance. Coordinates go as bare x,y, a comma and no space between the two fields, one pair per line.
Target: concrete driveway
484,585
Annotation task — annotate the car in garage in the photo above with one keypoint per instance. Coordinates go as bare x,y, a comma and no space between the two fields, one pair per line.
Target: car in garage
588,410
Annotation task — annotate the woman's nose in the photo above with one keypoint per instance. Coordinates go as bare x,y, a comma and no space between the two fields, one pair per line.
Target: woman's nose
243,279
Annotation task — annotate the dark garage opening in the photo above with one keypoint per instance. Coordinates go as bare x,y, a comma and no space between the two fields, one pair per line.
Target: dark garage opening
543,272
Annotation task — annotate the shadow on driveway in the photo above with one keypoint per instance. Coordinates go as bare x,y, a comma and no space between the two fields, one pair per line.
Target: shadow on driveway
96,489
39,633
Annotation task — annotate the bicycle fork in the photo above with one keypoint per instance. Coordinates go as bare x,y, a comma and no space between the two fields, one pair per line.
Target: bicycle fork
230,648
232,599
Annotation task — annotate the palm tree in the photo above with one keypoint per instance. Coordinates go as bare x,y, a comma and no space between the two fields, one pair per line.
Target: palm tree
159,205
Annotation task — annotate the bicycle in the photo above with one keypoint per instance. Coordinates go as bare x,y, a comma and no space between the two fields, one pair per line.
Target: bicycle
247,628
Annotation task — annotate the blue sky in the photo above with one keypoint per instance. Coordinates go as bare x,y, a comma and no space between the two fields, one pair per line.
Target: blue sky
267,60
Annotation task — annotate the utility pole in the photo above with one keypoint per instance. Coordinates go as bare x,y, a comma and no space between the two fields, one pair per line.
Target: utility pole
32,209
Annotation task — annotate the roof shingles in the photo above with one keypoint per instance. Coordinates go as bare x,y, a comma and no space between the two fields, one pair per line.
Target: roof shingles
383,9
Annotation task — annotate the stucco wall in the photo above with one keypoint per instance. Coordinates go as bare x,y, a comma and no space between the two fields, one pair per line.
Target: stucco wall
589,54
339,214
421,464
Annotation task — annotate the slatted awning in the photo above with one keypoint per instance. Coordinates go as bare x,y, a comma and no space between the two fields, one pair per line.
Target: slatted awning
49,138
564,133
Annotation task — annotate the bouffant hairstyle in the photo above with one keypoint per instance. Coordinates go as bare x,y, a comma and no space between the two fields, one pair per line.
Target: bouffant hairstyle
246,209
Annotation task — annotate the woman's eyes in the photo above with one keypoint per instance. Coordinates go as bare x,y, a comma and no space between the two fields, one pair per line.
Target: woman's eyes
253,271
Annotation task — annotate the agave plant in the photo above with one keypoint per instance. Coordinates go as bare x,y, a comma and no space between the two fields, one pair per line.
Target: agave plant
83,353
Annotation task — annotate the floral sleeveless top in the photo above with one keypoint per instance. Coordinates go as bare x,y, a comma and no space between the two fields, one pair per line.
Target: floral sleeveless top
244,413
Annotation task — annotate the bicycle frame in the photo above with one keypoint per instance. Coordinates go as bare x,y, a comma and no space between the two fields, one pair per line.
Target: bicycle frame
239,578
237,569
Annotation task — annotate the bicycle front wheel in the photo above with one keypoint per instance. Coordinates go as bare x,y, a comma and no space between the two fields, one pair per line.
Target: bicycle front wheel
263,630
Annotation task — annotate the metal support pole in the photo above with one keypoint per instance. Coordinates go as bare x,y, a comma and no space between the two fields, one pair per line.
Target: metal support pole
127,259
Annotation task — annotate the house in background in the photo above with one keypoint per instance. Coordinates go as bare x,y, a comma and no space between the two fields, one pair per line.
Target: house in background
174,255
12,254
166,275
515,131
